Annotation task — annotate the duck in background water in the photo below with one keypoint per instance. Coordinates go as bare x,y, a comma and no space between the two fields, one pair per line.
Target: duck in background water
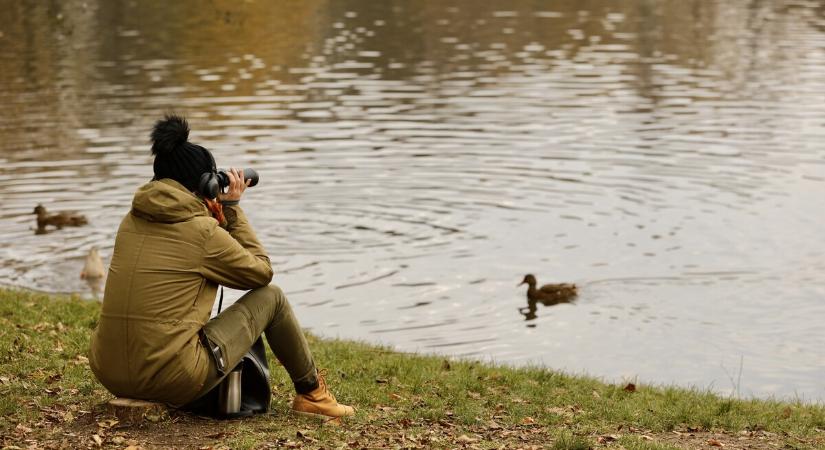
93,271
58,220
547,295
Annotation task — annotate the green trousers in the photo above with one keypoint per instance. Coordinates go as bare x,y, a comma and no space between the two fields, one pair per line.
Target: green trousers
263,310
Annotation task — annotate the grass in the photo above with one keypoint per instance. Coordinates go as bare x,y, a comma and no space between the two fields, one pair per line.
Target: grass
49,397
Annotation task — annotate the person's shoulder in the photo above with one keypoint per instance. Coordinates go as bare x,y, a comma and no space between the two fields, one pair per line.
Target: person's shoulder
206,225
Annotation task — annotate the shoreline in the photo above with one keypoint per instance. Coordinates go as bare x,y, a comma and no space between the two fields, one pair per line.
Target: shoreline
49,397
490,360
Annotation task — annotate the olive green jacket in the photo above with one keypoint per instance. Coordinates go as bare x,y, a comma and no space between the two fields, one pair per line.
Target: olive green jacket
169,257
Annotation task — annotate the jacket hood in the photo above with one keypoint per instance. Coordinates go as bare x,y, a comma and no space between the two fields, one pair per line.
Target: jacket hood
167,201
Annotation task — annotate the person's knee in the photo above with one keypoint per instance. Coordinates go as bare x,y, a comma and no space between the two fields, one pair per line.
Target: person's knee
276,295
278,303
265,303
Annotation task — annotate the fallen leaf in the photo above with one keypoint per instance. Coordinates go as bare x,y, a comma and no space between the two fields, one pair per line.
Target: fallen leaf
569,411
23,428
466,439
630,387
396,396
108,423
596,395
474,395
381,380
117,440
334,422
304,434
445,424
97,440
53,378
528,421
715,443
607,439
67,416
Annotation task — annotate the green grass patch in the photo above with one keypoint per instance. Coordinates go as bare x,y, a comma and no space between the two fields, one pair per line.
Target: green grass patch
48,390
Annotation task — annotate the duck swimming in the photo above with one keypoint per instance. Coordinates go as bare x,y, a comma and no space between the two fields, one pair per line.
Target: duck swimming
549,294
58,220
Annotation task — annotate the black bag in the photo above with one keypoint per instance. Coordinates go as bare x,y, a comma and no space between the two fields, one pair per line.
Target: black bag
255,390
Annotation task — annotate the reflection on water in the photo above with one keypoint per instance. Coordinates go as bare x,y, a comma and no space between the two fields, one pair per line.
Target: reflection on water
417,158
529,311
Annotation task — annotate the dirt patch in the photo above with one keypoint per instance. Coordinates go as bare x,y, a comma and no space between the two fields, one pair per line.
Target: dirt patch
751,440
96,429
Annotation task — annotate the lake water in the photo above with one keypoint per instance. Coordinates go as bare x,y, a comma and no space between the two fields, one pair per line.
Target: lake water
418,159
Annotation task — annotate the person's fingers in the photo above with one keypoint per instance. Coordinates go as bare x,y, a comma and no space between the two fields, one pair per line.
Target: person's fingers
231,174
237,184
239,173
238,180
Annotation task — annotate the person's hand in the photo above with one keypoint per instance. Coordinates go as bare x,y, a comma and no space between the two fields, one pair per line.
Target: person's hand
237,185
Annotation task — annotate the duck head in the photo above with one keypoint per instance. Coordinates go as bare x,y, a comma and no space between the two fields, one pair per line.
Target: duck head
529,279
39,210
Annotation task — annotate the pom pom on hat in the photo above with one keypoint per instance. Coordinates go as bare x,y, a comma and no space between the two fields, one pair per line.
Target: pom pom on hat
169,134
175,156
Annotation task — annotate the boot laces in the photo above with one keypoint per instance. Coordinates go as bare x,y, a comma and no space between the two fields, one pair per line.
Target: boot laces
322,382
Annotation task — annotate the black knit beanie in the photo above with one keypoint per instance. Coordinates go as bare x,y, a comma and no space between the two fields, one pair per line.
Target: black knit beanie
175,157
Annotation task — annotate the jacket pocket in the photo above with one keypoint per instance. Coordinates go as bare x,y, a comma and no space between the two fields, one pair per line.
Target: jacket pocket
215,352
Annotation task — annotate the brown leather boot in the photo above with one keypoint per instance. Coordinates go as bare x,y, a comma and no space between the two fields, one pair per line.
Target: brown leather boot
320,403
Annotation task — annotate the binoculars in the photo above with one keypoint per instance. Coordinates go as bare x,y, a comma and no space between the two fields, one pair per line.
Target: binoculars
213,183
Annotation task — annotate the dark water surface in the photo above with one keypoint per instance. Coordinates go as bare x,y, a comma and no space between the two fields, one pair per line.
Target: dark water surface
418,158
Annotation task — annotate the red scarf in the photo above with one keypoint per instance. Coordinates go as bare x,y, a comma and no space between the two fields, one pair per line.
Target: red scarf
216,208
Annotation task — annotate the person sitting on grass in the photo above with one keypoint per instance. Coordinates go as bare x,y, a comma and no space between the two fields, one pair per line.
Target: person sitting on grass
172,250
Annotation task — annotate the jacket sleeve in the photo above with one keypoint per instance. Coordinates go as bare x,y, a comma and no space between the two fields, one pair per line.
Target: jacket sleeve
234,257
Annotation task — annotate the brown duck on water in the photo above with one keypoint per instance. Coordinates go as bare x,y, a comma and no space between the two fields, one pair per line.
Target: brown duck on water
549,294
58,220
